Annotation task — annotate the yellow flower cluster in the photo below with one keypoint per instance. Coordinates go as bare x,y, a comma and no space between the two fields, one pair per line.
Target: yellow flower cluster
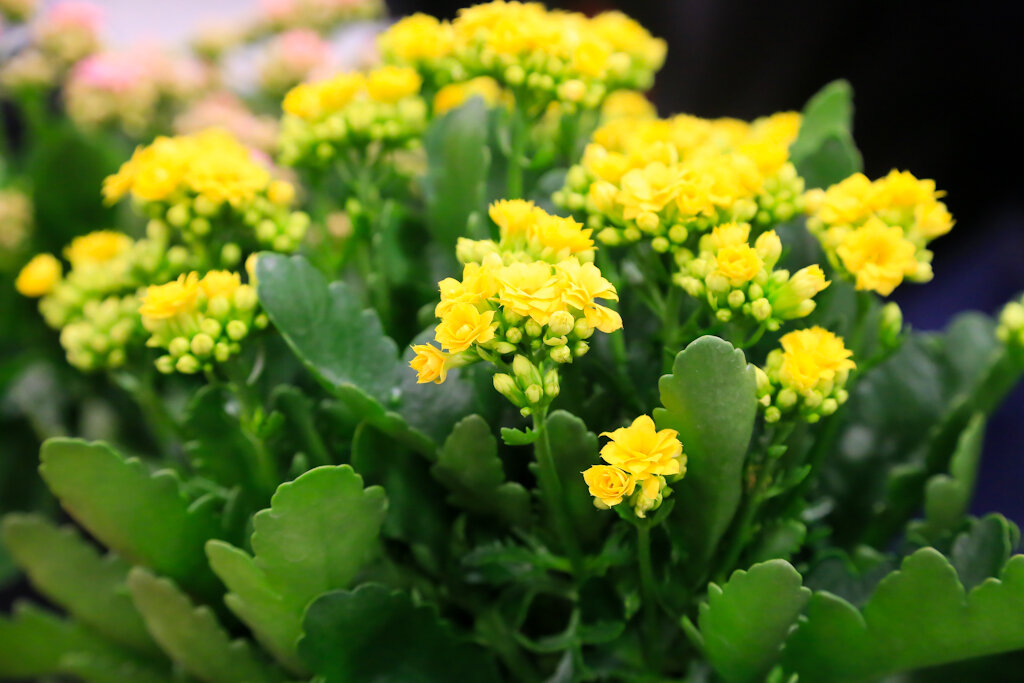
209,179
94,305
541,55
736,277
454,95
636,455
534,293
807,375
199,320
877,231
665,179
352,110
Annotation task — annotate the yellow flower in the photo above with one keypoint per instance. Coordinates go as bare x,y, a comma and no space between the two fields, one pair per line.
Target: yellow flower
392,83
336,92
650,188
627,104
590,58
739,263
530,289
159,168
39,276
303,101
462,326
514,217
878,255
812,357
605,165
119,184
166,301
582,285
416,37
455,95
564,235
608,485
220,283
429,364
478,284
227,173
932,220
643,451
730,235
97,247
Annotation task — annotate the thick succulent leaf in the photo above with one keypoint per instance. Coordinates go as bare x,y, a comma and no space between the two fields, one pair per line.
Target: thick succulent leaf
709,399
345,347
851,576
192,636
740,646
218,447
144,517
981,551
919,616
327,327
35,643
318,532
469,467
458,160
375,635
69,571
947,497
575,449
824,152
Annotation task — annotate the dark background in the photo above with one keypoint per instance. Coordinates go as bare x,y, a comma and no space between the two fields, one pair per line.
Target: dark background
938,91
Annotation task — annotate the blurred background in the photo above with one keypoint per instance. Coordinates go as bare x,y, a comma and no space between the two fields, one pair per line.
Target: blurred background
937,92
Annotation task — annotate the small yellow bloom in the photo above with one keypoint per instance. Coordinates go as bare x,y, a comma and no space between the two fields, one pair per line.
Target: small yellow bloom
650,188
336,92
878,255
514,217
454,95
812,357
220,283
563,235
730,234
97,247
479,283
739,263
281,192
627,104
303,101
582,285
39,276
932,220
166,301
530,289
392,83
429,364
608,485
419,36
643,451
462,326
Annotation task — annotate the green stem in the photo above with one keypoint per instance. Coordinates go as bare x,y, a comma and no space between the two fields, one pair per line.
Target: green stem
262,469
551,490
517,150
648,591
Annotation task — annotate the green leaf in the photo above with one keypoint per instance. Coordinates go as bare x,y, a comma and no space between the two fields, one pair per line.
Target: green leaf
919,616
458,160
983,550
35,643
69,571
709,399
742,648
318,532
518,437
947,497
469,466
780,539
824,152
374,635
575,449
217,450
192,635
342,344
346,349
143,517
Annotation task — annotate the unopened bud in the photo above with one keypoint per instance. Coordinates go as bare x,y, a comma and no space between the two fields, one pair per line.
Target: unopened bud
580,349
202,345
187,364
533,328
514,335
561,354
761,309
551,385
178,346
236,330
561,323
534,394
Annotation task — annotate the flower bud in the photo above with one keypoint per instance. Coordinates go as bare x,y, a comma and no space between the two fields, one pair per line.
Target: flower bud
561,323
580,349
210,327
533,328
502,347
525,371
892,324
582,329
165,365
230,255
178,346
245,298
761,309
551,385
222,351
514,335
201,345
200,226
736,298
772,414
769,247
187,364
218,306
236,330
647,221
534,394
561,354
178,215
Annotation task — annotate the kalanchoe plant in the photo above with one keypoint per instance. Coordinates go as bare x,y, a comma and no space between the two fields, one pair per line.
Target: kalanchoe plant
655,421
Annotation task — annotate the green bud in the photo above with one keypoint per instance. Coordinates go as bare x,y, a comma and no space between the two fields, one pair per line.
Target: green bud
678,234
514,335
218,306
786,399
534,394
660,244
561,354
230,255
165,365
187,364
156,230
735,298
772,414
202,344
210,327
582,329
178,346
236,330
764,385
503,347
222,351
631,234
200,226
533,328
177,256
266,230
551,385
609,237
261,321
723,314
761,309
892,323
580,349
204,206
829,406
506,386
556,341
245,298
525,371
647,221
178,215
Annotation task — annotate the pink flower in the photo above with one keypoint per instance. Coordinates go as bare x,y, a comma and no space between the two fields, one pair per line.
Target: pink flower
110,71
302,50
75,14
